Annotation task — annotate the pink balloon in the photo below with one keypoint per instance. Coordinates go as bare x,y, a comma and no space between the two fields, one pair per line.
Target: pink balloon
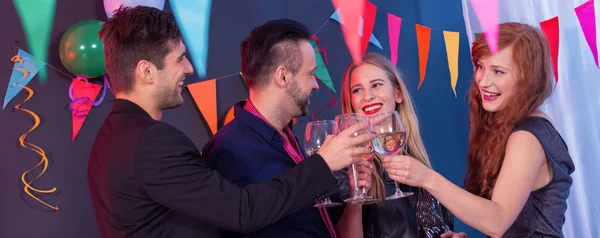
111,5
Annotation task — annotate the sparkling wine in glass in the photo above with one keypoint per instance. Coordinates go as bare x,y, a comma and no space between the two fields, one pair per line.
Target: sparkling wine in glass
345,121
390,139
314,136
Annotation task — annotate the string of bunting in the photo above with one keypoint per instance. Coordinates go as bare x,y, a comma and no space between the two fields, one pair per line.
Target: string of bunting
487,13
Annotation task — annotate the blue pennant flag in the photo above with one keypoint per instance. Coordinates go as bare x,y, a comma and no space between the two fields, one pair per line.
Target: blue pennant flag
193,19
25,68
335,16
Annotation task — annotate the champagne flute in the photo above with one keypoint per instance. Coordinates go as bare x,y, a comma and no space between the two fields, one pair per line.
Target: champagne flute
390,139
345,121
314,136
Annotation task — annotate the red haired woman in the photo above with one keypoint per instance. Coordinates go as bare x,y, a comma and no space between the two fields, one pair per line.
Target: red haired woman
519,168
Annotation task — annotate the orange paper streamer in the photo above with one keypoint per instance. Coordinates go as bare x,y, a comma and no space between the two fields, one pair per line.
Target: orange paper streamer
44,159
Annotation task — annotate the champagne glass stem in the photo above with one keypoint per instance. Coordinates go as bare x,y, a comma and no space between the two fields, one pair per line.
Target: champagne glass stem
355,173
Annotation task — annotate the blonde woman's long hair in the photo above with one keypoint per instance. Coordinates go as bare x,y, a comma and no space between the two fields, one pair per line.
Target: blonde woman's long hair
416,148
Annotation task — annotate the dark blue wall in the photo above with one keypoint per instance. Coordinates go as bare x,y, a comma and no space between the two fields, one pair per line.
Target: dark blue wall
443,117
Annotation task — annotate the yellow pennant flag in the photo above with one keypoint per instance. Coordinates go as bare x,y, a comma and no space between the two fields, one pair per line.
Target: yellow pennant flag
451,39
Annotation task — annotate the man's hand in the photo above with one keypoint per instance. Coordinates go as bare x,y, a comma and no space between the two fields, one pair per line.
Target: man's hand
341,150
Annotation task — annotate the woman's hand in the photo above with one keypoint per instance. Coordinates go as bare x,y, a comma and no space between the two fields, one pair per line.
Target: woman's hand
363,168
408,170
451,234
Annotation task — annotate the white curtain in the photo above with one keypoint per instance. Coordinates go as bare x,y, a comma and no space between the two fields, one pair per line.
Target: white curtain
574,105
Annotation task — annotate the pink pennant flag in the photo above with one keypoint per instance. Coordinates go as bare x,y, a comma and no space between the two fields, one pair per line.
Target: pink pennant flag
487,13
586,15
394,24
551,30
350,12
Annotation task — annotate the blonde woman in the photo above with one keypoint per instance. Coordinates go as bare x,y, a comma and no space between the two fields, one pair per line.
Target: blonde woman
371,88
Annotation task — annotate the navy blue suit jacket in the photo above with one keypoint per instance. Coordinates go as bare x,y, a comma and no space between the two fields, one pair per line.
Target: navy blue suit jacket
250,151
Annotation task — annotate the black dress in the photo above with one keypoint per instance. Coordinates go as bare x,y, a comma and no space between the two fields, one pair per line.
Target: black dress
419,215
544,212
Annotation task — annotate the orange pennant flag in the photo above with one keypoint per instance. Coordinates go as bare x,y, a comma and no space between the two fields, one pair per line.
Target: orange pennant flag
369,22
230,116
451,39
423,42
205,95
350,12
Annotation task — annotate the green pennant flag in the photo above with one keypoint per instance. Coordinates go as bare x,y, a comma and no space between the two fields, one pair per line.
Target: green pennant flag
37,17
322,72
476,34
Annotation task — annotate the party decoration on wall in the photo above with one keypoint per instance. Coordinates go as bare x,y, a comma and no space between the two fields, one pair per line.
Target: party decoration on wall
587,21
336,17
394,24
423,43
81,50
551,30
369,12
82,95
28,188
37,17
231,115
205,95
452,39
321,72
193,20
487,13
25,62
111,5
321,111
350,12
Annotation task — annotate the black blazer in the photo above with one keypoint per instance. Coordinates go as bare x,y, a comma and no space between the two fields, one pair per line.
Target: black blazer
147,179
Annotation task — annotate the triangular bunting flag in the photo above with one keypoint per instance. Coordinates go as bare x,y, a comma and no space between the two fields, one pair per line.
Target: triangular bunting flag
597,11
84,94
350,12
477,34
423,42
551,30
25,67
230,116
452,40
335,16
321,72
193,20
205,95
487,13
37,17
586,15
369,13
394,24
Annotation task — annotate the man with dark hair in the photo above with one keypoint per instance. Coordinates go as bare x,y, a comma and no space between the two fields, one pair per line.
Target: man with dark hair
147,179
278,65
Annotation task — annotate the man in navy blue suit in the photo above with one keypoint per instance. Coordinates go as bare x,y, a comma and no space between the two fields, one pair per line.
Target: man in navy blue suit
278,65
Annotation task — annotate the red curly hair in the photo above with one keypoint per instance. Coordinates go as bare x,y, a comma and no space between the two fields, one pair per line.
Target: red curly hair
490,130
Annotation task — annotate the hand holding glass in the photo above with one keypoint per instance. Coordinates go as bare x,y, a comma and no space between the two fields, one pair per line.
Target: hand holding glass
314,136
390,139
345,121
